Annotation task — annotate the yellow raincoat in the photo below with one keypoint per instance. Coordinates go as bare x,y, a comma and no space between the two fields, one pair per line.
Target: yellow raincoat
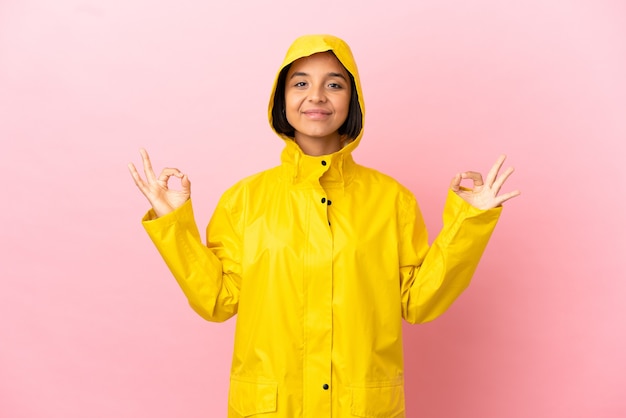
320,258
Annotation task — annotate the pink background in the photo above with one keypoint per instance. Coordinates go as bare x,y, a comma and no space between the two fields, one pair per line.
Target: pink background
93,325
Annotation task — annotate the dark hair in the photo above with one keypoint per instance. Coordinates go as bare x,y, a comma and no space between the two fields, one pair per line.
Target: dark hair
350,128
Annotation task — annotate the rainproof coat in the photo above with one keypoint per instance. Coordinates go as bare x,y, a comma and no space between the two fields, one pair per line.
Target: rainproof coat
320,258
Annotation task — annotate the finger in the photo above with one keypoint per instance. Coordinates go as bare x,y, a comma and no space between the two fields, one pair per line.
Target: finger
137,178
493,173
166,173
507,196
455,184
497,185
147,165
476,177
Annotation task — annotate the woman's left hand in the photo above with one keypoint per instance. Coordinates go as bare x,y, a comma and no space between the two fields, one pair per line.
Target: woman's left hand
484,194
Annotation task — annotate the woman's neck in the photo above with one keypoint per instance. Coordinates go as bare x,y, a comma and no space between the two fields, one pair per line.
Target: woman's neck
318,146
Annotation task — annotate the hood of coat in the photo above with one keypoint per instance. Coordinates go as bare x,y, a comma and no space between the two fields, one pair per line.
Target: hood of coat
308,45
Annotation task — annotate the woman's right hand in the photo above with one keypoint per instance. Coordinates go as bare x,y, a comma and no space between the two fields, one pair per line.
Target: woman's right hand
163,199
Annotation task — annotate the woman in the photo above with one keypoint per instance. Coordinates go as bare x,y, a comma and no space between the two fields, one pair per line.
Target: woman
320,257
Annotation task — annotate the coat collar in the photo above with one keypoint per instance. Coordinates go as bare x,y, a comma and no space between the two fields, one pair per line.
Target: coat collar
336,169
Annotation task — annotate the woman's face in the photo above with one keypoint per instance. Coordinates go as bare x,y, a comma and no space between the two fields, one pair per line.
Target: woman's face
317,98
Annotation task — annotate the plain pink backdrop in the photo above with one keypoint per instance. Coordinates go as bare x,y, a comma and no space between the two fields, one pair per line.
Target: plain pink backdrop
93,325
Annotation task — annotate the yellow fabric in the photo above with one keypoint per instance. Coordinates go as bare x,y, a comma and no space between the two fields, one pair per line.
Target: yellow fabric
320,262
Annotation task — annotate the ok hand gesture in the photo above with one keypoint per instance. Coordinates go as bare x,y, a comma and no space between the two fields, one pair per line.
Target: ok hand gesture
484,195
163,199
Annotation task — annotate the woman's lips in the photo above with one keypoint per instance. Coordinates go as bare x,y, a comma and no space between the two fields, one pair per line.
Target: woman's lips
317,113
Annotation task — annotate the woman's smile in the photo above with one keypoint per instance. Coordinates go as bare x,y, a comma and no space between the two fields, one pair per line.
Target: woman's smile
317,114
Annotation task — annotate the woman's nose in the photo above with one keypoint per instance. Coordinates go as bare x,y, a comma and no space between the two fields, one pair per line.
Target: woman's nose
317,94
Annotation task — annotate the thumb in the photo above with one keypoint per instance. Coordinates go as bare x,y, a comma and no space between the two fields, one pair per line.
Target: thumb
185,183
455,184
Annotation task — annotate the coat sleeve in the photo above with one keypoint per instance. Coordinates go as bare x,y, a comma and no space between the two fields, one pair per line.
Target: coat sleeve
209,275
431,278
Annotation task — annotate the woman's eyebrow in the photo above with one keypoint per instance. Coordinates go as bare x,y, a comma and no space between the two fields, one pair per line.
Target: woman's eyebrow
337,75
303,74
298,74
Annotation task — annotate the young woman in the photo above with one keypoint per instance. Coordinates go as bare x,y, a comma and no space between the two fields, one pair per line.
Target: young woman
320,258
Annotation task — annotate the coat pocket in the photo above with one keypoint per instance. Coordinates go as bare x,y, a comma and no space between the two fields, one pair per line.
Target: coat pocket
378,400
250,397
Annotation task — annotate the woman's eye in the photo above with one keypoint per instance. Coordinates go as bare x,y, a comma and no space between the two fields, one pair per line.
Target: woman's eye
334,86
300,84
